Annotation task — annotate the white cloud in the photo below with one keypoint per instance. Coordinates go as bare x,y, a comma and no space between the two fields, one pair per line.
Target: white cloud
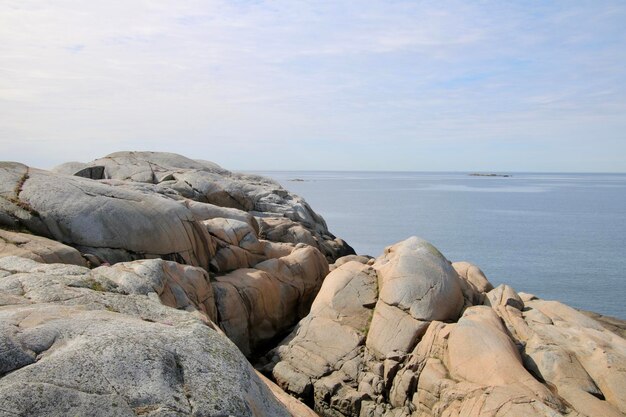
80,79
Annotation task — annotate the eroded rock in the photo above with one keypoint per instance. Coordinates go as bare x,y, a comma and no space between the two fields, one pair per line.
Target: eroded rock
114,223
366,319
445,343
38,248
76,345
206,182
257,304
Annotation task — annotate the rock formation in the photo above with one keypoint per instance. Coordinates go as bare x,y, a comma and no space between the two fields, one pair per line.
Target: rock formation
103,342
137,284
142,205
182,178
411,334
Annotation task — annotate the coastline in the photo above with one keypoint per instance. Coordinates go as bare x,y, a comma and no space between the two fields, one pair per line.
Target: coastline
178,272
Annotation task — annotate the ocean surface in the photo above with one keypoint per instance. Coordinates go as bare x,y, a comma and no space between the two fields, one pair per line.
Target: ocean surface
558,236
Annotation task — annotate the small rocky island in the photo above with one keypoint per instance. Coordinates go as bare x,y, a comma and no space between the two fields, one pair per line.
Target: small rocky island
145,284
479,174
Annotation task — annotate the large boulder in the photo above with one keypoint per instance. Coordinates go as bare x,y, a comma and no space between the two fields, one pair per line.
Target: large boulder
365,319
417,285
101,343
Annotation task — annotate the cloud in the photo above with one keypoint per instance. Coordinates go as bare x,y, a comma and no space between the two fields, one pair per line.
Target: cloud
235,81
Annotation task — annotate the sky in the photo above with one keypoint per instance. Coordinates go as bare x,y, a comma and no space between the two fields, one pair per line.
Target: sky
318,85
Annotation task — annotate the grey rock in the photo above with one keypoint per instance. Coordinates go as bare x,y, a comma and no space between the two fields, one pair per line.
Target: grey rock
107,221
38,248
78,347
206,182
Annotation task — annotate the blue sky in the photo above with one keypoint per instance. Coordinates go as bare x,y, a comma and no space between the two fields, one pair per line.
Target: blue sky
346,85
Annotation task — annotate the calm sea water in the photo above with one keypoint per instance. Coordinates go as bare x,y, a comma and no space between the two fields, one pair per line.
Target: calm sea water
559,236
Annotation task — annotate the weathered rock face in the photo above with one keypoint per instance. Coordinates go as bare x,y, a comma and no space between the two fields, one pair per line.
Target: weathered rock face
256,304
185,253
113,223
38,248
417,285
246,230
206,182
445,343
164,183
102,343
365,318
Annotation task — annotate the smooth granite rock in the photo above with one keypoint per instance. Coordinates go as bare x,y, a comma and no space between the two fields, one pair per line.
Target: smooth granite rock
244,230
111,222
257,304
416,285
75,344
193,265
443,342
366,318
38,248
207,182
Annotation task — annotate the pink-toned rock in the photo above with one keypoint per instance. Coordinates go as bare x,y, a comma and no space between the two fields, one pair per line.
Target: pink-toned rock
416,285
38,248
179,286
473,275
256,304
416,278
480,351
575,353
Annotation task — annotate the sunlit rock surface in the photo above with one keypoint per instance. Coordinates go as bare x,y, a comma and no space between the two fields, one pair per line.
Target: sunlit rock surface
413,335
103,342
138,283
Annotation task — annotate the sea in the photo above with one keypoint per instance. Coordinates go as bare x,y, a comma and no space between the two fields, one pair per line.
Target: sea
558,236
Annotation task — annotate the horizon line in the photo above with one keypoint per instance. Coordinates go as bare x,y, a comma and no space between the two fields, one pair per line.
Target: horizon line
427,172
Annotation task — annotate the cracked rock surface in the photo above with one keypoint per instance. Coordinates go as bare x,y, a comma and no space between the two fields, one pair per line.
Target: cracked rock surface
410,334
267,251
184,256
138,283
205,182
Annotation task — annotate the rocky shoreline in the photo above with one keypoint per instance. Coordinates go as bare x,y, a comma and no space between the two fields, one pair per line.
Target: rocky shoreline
142,283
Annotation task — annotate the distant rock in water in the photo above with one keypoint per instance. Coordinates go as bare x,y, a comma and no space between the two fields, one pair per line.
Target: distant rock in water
478,174
138,283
